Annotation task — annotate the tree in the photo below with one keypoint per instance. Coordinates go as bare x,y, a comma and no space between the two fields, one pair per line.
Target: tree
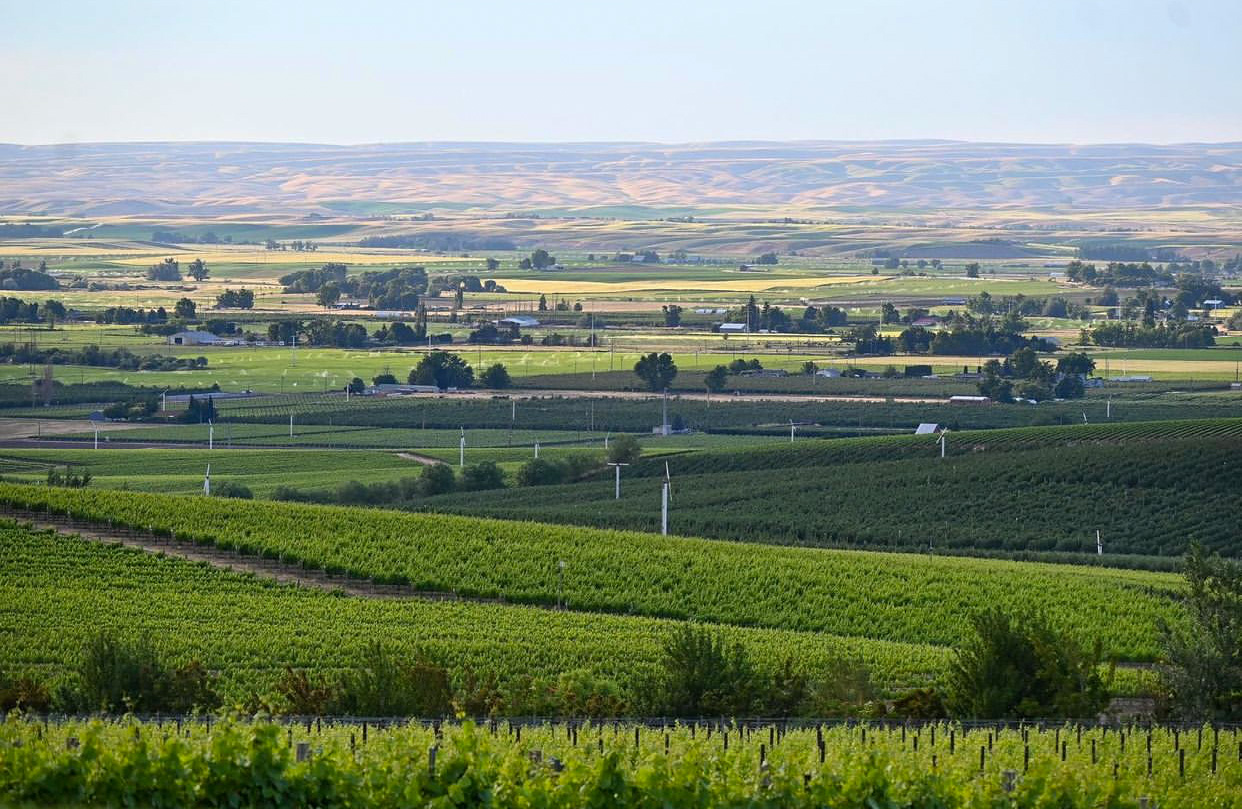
442,369
1077,362
328,295
672,315
197,270
480,476
716,379
889,313
767,258
657,370
356,385
1024,669
541,260
496,376
384,379
185,309
624,449
543,303
1069,386
1204,653
167,270
492,264
972,270
705,675
437,478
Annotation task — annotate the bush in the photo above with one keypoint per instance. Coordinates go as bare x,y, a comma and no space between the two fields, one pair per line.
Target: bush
624,449
481,476
1022,670
227,488
704,675
495,376
436,478
24,692
116,676
540,472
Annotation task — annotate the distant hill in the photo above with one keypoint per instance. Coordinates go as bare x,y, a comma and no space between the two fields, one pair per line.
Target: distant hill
206,178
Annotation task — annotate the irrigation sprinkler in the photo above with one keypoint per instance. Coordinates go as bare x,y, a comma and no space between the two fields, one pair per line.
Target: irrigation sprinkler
618,466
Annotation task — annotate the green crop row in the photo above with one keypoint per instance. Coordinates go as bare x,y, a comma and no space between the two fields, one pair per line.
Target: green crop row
238,763
888,597
1149,499
251,629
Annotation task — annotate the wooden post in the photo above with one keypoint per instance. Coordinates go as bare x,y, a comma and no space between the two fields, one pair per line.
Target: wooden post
303,751
431,761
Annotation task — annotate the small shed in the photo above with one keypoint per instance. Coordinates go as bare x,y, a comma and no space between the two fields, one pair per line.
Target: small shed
732,328
969,400
520,321
927,429
197,338
828,373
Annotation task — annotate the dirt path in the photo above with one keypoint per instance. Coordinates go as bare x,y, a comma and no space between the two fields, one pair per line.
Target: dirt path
15,428
425,460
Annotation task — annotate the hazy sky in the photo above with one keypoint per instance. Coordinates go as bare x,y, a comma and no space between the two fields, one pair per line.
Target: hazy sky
526,70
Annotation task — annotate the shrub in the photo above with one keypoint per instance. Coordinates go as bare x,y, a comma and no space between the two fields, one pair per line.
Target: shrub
481,476
436,479
1024,669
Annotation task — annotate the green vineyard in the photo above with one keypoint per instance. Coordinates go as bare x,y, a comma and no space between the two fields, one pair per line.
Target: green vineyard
237,763
900,598
1148,505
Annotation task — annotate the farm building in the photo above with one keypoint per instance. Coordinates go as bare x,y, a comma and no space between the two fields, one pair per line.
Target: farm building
927,429
198,338
732,328
926,322
520,321
766,373
969,400
828,373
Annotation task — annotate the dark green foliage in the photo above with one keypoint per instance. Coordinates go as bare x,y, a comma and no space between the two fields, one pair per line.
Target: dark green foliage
705,675
24,692
1204,677
481,476
716,379
1024,669
496,376
235,299
657,370
116,676
228,488
384,379
436,479
624,449
442,369
68,478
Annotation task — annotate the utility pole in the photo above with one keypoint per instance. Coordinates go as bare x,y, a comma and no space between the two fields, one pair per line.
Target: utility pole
462,448
97,438
664,509
1099,544
943,433
211,435
618,466
291,425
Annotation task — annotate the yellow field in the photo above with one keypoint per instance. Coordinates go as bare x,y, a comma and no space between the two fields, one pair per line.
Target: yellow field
551,286
252,256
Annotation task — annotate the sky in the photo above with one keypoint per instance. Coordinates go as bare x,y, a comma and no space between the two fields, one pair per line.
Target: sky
368,71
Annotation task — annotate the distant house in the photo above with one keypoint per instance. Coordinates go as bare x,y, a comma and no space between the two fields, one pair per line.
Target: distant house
926,322
927,429
969,400
198,338
766,373
519,321
954,301
828,373
710,311
732,328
